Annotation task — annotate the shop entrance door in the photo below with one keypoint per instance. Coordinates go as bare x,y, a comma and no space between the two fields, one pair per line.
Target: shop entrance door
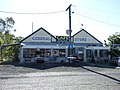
80,56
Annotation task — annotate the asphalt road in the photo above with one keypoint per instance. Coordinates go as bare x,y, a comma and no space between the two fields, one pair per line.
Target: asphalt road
58,77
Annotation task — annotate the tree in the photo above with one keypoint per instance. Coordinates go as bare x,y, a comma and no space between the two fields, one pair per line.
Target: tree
2,25
8,52
17,39
114,39
1,39
6,25
114,42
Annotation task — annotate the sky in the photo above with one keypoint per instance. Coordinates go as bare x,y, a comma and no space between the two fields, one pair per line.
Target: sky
99,17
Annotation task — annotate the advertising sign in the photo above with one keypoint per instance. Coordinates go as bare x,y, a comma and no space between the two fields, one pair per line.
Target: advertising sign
62,38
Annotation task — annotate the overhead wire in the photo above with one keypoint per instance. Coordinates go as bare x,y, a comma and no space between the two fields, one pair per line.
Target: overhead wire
96,15
100,10
97,20
31,13
59,12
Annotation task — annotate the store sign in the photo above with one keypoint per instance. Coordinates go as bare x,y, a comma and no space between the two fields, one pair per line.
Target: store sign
60,38
82,39
41,38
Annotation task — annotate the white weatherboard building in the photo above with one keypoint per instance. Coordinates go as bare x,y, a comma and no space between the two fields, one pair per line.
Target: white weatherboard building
41,45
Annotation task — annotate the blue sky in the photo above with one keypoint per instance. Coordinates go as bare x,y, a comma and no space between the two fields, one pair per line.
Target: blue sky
93,14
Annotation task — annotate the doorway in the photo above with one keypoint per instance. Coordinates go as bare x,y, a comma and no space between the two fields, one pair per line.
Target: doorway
80,56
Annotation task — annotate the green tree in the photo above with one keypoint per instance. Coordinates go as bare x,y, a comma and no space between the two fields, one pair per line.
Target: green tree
10,52
2,25
114,39
6,25
6,39
6,51
1,39
18,39
114,42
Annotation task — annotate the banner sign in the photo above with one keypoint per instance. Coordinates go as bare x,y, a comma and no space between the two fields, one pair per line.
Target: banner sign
62,38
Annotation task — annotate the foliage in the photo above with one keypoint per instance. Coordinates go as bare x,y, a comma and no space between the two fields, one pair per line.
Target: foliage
114,52
114,42
6,25
114,39
8,52
1,39
2,25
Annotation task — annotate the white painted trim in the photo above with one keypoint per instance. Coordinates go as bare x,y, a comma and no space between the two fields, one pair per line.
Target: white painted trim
44,46
90,47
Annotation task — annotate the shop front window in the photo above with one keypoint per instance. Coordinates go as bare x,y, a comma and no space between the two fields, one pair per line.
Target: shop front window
59,52
55,52
103,53
29,53
88,53
45,52
62,53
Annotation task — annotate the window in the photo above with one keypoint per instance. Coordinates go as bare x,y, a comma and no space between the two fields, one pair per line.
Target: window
88,53
45,52
29,53
56,52
62,52
103,53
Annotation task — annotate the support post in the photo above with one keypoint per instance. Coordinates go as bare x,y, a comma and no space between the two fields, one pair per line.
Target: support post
84,57
69,8
21,56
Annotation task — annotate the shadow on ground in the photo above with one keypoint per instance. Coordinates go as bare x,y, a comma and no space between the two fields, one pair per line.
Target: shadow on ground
43,66
102,75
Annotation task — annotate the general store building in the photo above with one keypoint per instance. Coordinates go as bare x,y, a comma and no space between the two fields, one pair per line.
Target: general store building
44,46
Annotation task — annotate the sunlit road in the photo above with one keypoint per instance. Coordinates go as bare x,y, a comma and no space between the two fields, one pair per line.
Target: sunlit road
59,78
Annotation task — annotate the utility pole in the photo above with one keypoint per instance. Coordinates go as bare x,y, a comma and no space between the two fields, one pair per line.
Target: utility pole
70,45
32,27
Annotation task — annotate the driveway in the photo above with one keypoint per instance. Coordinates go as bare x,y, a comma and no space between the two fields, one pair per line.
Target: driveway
58,77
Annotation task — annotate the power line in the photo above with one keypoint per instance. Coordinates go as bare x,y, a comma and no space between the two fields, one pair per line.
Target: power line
31,13
97,20
96,15
100,10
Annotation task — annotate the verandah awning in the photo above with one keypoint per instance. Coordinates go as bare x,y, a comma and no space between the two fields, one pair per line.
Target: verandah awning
44,46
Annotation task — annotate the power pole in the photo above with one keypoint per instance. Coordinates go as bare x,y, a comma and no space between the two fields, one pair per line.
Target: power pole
70,45
32,27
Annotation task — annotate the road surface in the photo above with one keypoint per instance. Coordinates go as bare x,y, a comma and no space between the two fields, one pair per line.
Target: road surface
53,77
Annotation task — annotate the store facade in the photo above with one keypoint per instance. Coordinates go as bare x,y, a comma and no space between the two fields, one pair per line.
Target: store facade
43,46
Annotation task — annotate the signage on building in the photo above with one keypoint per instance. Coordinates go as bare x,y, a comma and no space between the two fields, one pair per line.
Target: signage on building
68,32
82,39
41,38
62,38
70,46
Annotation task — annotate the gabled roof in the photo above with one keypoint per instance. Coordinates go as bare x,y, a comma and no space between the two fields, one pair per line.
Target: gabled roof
37,31
88,34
